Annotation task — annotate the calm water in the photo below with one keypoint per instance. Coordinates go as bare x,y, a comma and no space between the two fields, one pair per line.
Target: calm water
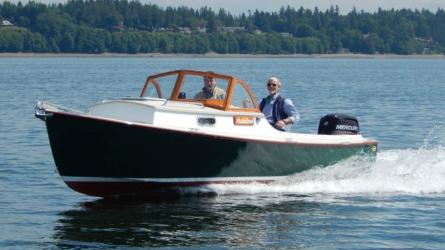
396,202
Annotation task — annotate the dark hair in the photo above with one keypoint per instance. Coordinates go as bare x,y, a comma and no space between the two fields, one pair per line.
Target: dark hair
209,77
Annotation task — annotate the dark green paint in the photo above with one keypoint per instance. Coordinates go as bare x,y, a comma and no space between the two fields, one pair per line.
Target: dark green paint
95,148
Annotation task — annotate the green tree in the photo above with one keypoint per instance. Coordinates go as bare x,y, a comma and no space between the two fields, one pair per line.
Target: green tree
247,43
96,26
11,40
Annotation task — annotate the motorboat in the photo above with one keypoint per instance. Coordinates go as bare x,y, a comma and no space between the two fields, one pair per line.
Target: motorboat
166,139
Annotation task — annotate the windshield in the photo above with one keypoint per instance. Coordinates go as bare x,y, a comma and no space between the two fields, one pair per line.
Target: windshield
161,87
241,98
211,89
203,88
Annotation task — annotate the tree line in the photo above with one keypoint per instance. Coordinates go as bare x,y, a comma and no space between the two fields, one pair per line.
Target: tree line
121,26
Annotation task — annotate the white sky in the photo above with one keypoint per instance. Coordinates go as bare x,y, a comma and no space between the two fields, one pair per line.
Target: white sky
243,6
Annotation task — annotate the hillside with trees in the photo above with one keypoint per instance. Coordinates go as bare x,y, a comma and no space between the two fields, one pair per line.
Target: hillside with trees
121,26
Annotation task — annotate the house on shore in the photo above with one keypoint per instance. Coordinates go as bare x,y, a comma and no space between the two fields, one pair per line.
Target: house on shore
5,23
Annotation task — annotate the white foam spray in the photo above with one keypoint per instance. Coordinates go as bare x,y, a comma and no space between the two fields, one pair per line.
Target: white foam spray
407,171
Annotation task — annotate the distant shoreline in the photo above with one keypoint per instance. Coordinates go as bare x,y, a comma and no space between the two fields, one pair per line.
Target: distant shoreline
215,55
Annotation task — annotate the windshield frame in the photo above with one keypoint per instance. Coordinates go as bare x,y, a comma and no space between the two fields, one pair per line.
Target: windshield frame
217,104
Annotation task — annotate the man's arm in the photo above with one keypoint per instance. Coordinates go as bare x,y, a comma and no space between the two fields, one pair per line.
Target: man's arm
292,114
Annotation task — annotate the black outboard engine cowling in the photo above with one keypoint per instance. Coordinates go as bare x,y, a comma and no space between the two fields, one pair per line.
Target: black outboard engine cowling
338,124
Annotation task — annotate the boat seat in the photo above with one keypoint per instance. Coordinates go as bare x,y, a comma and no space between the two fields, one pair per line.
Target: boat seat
182,95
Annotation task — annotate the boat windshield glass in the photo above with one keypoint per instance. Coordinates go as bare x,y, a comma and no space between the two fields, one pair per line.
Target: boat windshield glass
161,87
202,88
241,98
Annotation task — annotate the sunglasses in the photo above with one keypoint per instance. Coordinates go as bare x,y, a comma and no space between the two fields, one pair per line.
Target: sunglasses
271,84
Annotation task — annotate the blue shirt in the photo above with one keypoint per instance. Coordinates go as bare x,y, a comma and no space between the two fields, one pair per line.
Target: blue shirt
288,108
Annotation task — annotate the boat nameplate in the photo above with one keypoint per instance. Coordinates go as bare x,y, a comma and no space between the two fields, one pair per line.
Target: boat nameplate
241,120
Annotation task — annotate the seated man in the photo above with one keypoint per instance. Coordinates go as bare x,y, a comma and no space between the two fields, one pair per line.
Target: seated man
279,111
210,90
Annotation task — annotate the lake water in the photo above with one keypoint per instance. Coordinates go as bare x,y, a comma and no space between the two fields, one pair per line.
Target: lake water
396,202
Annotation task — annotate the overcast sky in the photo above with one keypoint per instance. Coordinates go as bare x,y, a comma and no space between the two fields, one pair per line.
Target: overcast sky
240,6
243,6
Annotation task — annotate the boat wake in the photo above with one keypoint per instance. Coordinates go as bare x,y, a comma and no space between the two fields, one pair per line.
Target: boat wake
395,171
407,171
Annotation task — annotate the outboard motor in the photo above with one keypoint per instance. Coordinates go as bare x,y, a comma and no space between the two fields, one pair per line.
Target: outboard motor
338,124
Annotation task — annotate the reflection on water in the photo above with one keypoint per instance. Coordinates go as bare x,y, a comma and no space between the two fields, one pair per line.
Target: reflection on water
188,221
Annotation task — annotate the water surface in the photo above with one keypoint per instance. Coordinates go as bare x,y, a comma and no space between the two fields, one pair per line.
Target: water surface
396,202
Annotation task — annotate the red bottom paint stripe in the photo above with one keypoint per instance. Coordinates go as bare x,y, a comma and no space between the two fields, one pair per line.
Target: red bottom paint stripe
138,188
